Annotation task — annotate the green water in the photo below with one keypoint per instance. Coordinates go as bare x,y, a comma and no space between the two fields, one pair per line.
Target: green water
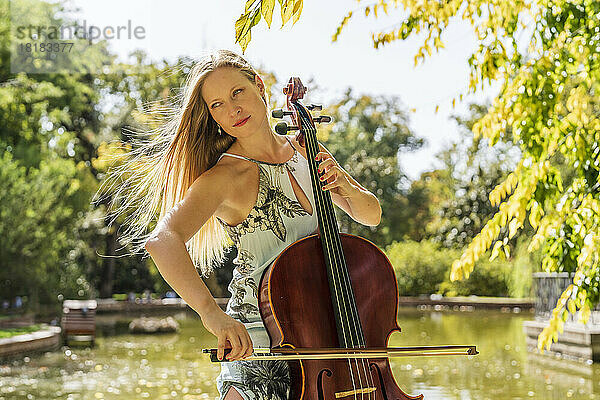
172,366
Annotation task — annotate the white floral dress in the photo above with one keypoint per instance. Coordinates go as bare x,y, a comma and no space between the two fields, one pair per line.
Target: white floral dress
276,220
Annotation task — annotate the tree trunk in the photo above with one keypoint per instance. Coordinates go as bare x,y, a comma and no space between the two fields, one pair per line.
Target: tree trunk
108,265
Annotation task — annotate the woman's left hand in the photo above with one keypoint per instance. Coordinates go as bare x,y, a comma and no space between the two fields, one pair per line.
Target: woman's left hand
330,171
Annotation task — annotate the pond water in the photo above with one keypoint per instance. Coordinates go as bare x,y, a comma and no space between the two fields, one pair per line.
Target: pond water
172,366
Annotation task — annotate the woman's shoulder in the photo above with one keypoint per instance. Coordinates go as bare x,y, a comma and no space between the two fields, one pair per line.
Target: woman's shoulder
234,176
226,172
231,165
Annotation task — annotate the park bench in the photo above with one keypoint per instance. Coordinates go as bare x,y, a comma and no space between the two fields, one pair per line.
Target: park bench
78,321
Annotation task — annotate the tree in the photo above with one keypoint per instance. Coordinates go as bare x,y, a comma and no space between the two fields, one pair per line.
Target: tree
366,138
548,104
46,181
41,244
475,168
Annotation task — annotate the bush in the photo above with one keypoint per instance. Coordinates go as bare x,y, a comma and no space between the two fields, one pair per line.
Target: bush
423,268
489,278
420,267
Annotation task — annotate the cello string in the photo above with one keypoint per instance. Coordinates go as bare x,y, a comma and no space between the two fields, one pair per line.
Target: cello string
329,221
327,243
342,309
356,333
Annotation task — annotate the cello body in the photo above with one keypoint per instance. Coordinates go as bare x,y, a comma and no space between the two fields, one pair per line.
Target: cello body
296,306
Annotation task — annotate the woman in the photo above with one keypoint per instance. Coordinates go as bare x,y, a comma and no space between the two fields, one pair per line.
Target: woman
210,193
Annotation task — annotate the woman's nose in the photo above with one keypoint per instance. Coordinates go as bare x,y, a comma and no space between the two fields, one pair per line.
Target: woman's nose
235,110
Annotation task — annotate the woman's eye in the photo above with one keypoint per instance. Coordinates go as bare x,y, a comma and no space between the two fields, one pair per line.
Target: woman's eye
235,91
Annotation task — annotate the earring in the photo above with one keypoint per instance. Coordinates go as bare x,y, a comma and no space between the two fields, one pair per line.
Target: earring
219,129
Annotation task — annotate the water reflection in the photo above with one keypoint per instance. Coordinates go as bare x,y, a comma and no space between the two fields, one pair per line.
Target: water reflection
172,366
503,369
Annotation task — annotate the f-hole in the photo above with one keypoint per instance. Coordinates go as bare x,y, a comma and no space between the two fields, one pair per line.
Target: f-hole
298,190
320,383
381,385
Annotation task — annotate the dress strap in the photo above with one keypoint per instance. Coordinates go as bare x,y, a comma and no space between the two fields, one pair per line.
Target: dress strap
258,161
234,155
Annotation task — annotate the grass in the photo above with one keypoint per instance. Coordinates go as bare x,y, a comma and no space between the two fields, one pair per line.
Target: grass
6,333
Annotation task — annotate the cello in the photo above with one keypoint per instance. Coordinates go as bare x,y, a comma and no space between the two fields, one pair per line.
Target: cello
333,323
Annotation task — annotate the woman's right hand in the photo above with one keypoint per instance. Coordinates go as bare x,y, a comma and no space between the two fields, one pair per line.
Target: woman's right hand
230,334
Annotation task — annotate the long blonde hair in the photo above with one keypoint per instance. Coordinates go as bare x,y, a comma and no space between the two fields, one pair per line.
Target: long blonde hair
158,172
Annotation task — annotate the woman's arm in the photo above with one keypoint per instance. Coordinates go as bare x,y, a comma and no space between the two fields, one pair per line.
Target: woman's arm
359,203
168,250
167,243
176,267
362,205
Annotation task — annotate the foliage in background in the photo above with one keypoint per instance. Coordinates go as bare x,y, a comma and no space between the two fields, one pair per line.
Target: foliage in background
38,256
548,104
423,268
53,140
367,137
420,267
471,168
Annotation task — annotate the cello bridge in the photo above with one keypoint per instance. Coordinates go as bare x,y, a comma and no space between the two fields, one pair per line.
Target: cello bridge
357,391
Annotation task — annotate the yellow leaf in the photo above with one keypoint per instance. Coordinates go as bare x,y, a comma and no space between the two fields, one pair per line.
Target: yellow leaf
571,306
569,142
298,11
535,215
506,251
248,5
455,273
513,226
266,10
496,250
470,259
585,313
287,8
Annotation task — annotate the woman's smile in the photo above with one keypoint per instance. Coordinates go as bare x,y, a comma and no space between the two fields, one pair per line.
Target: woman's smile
242,122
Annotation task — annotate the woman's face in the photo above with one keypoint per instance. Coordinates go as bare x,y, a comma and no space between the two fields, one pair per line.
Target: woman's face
231,98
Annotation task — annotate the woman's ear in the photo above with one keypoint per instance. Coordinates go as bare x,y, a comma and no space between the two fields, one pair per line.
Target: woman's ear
259,82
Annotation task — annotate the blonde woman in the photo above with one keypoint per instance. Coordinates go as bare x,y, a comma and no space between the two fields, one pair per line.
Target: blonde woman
224,173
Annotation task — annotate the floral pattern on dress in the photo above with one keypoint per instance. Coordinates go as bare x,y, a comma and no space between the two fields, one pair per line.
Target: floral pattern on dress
266,214
269,379
238,288
241,312
265,379
241,309
244,262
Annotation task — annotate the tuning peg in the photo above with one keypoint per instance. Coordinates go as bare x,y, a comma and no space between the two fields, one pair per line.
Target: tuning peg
279,113
317,107
322,118
282,128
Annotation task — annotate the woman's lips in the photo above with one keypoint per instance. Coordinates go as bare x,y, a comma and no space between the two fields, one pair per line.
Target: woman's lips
243,122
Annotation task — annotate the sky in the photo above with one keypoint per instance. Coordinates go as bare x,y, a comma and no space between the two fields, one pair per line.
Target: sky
193,28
